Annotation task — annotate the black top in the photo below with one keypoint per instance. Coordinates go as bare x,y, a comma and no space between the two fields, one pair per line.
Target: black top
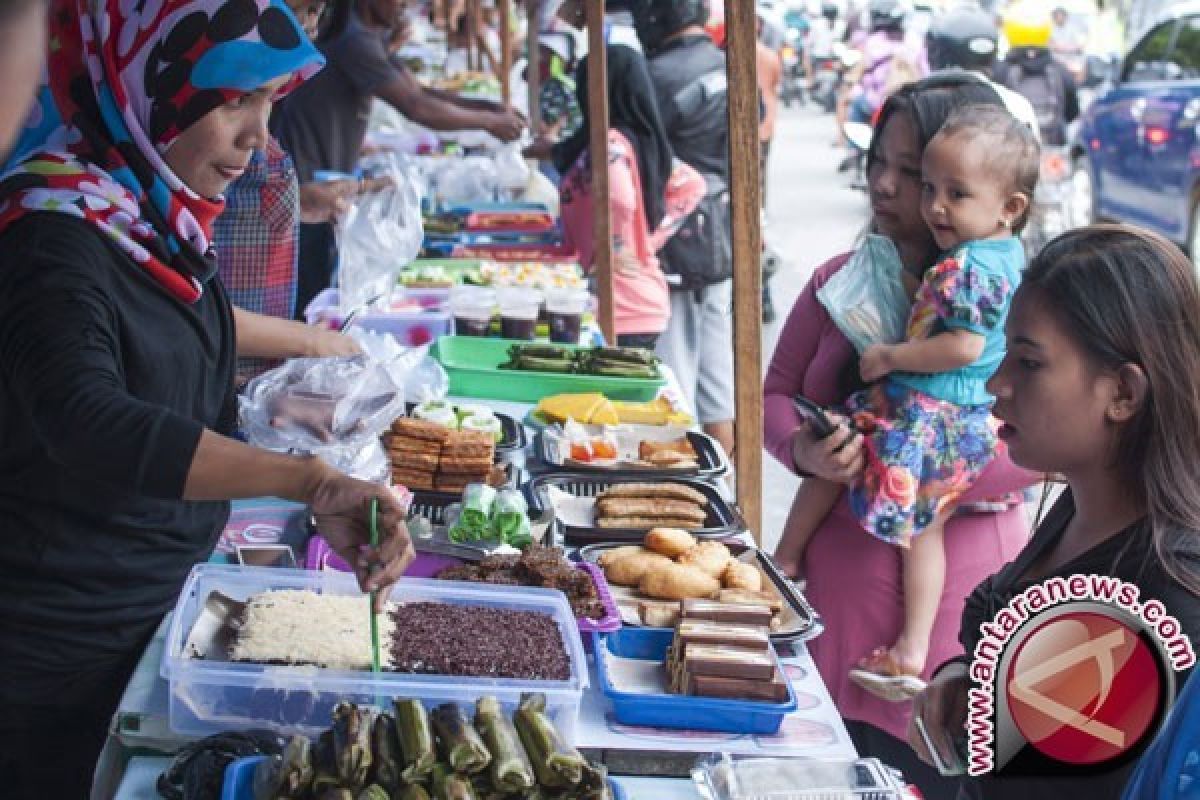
699,135
1128,555
323,123
106,383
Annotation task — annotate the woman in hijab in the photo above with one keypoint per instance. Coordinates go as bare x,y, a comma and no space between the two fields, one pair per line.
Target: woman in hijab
117,359
650,194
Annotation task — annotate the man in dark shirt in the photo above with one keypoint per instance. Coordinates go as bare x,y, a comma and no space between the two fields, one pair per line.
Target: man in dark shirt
689,74
322,125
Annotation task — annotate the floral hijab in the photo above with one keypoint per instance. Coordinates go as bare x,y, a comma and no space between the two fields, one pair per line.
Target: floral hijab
124,78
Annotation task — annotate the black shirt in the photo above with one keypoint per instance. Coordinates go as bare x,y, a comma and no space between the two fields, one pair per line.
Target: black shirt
106,383
1128,555
699,134
323,123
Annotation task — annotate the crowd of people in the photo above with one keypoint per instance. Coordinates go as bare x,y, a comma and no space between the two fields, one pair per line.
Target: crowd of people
163,217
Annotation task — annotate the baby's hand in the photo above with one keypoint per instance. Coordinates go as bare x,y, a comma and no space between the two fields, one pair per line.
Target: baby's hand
876,362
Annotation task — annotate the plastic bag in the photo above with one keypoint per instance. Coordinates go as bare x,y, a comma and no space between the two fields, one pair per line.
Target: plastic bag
512,171
381,232
469,180
335,408
866,297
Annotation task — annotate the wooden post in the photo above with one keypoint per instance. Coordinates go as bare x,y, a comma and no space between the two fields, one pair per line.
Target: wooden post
598,150
470,9
746,200
533,61
505,10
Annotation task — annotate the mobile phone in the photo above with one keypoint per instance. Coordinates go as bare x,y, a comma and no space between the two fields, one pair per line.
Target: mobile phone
822,425
266,555
958,767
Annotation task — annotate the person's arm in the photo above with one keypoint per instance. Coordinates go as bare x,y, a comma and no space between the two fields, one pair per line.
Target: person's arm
795,351
950,350
469,103
685,189
408,97
260,336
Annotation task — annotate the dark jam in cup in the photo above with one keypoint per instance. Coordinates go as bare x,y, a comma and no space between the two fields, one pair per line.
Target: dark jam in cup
472,326
565,328
518,328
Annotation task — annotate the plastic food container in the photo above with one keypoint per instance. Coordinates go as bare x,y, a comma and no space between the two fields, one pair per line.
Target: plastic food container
564,311
664,710
239,780
519,309
409,328
472,307
212,696
724,778
473,365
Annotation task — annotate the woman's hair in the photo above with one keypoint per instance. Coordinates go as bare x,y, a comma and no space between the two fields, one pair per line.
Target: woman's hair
1014,156
1128,296
929,102
337,16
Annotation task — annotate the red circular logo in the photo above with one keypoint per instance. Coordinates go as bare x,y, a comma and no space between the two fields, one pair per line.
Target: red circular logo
1084,688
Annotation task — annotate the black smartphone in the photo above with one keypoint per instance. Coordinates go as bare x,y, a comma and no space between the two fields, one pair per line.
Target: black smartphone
822,425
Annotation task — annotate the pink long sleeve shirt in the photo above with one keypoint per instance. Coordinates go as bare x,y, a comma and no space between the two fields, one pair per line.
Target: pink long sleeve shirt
641,299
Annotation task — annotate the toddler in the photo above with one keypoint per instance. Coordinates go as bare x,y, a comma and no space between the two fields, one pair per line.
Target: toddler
927,421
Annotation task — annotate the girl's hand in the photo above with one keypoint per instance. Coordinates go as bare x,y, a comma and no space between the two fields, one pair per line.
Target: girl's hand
324,343
876,362
342,506
942,707
837,458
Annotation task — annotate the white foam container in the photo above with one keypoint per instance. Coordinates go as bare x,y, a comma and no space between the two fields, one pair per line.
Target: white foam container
211,696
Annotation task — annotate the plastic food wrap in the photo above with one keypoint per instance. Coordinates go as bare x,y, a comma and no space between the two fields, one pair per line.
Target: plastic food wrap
510,518
866,297
474,519
724,778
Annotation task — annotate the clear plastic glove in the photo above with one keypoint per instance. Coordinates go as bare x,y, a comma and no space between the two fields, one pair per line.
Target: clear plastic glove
838,457
342,507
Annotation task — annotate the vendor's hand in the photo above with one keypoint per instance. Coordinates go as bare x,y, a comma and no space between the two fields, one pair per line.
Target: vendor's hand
504,125
325,201
400,34
324,343
376,184
541,149
876,362
342,507
838,457
942,707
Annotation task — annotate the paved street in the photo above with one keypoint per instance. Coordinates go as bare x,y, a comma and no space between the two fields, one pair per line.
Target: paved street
813,215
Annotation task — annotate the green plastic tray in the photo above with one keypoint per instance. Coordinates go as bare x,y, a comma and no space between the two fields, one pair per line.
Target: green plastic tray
473,366
456,268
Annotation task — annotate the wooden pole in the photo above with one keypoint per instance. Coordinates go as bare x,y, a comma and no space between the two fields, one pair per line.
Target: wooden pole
745,202
506,52
533,61
472,50
598,151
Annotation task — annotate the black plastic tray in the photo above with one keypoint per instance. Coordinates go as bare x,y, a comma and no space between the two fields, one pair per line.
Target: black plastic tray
512,433
709,456
808,621
723,518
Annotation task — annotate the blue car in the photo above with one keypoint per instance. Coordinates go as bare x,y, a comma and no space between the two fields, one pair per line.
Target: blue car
1137,153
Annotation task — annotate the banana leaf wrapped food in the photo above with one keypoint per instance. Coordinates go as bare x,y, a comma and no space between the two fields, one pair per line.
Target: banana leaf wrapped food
416,740
351,744
554,762
461,745
414,791
336,793
325,774
374,792
449,786
510,518
387,760
268,779
510,769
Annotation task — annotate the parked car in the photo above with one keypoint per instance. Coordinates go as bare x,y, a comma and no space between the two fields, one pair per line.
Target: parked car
1137,152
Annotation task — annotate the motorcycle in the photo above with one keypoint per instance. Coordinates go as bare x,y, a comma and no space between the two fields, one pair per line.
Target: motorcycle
829,76
792,90
1050,212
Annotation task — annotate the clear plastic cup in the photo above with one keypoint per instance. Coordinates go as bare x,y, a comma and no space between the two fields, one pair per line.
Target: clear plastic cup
564,312
519,309
472,307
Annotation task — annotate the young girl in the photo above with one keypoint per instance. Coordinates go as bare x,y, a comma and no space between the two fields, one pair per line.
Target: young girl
927,420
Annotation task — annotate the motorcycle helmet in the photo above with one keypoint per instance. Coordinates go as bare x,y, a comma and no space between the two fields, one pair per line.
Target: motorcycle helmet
965,37
829,11
1028,25
887,15
655,20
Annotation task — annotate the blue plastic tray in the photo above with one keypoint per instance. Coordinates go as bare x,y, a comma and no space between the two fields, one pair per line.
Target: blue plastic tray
239,781
676,710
